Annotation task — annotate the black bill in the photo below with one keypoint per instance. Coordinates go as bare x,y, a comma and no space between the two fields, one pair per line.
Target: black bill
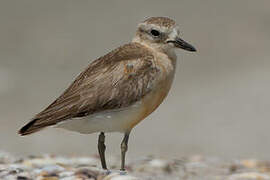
180,43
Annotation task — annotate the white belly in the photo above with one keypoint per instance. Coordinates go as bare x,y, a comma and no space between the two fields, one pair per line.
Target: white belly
107,121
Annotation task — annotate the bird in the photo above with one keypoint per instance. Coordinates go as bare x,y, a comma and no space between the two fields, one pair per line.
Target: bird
120,89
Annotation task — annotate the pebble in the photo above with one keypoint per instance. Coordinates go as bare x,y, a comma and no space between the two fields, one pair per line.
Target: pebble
249,176
249,163
118,176
66,174
52,169
48,167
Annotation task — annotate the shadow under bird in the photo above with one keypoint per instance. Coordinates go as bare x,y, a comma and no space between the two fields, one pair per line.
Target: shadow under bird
118,90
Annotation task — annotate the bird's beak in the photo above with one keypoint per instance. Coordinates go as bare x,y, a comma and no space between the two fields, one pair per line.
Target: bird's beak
180,43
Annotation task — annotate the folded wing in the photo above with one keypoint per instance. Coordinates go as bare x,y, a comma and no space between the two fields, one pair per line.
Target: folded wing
113,81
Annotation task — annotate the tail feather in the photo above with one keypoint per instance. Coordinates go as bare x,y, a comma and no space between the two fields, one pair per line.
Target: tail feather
29,128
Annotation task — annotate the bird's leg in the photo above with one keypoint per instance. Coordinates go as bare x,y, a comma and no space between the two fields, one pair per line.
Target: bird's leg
101,149
124,148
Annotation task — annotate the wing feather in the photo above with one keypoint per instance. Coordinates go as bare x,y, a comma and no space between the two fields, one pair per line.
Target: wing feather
113,81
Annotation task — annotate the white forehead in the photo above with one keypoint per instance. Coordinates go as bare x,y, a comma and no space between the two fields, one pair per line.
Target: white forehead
174,32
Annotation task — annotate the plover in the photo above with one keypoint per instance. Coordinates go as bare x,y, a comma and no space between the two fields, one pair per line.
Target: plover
118,90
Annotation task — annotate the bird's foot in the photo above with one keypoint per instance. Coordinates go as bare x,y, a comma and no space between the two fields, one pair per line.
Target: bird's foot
120,172
106,171
123,172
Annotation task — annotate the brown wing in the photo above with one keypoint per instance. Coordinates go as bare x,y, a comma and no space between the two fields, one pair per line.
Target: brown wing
113,81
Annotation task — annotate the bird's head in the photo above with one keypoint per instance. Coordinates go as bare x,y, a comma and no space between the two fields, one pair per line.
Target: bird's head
161,33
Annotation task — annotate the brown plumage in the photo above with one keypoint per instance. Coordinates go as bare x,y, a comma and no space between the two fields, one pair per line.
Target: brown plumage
113,81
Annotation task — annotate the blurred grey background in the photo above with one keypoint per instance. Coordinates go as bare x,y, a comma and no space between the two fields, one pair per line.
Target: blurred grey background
218,106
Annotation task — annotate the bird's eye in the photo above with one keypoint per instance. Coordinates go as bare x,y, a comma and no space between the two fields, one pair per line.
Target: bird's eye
155,32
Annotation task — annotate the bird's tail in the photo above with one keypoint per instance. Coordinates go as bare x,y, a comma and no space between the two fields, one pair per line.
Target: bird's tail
30,128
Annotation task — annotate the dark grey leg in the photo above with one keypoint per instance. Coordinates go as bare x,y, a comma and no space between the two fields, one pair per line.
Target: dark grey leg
101,149
124,148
